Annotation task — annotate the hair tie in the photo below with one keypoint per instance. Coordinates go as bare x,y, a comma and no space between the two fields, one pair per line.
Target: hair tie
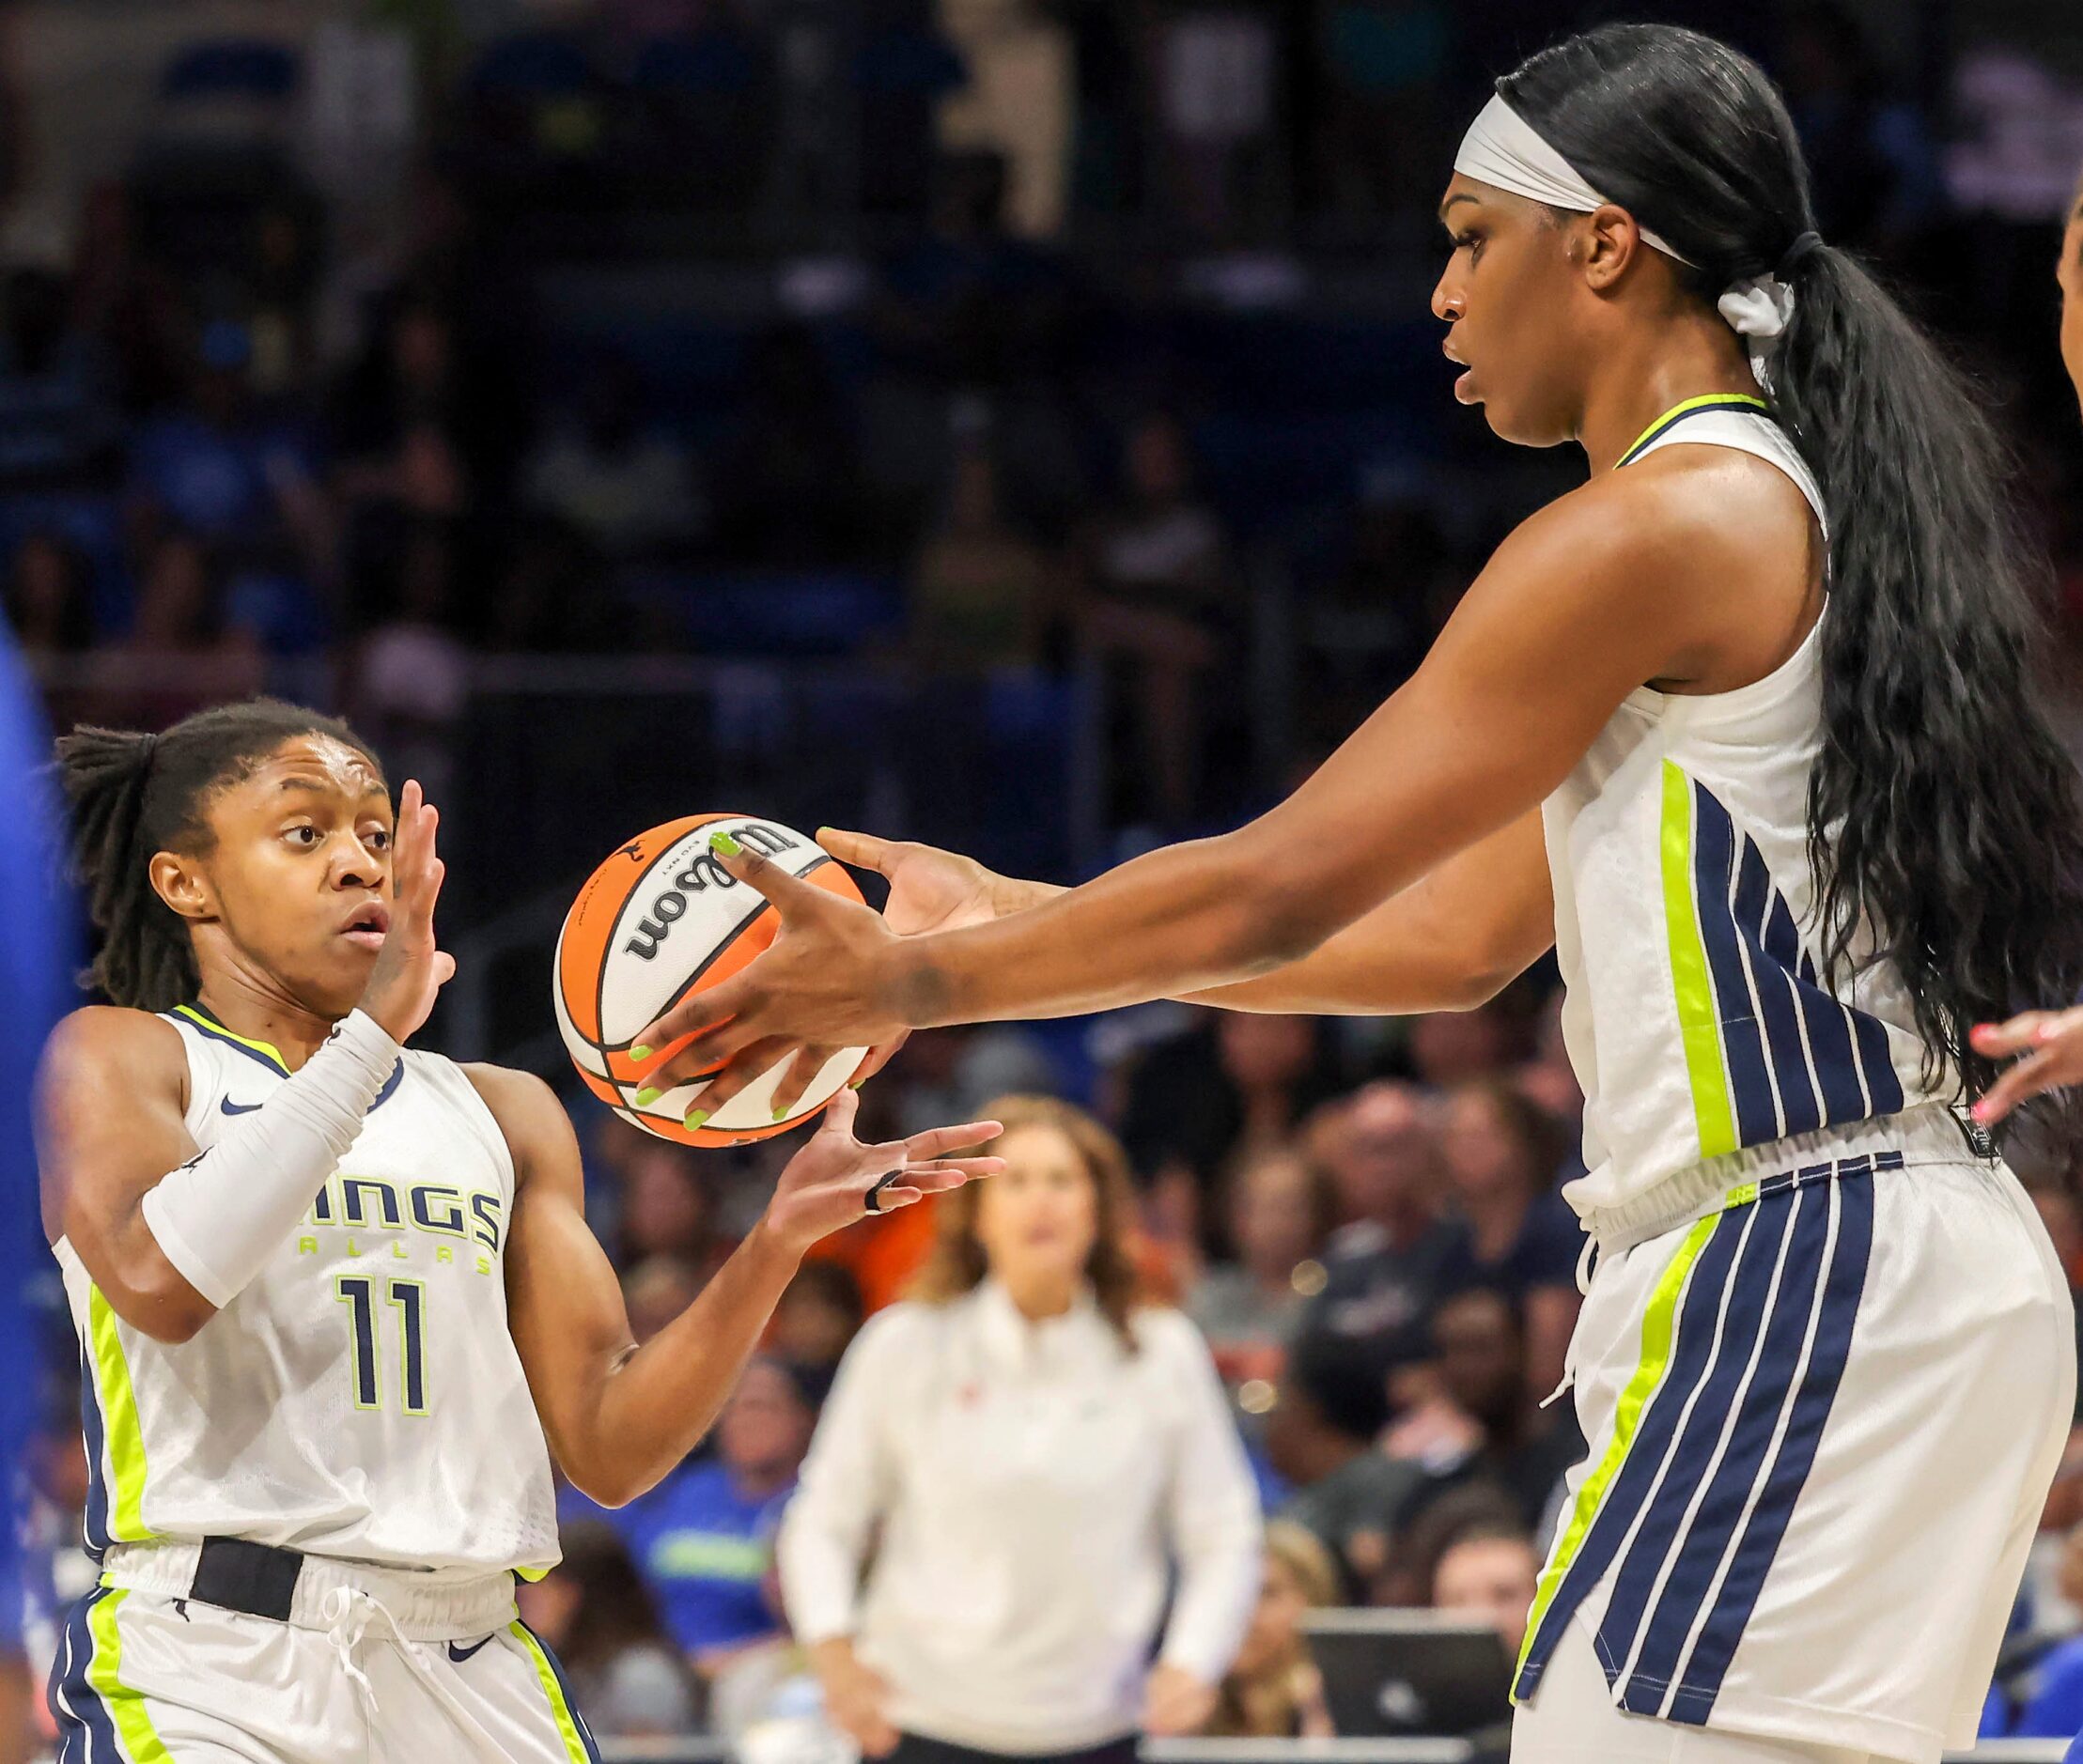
1804,245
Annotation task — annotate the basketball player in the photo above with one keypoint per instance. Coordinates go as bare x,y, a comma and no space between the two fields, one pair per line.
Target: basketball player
2051,1042
336,1299
1741,728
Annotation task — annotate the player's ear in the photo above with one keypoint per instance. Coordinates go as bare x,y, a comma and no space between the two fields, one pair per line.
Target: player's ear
180,881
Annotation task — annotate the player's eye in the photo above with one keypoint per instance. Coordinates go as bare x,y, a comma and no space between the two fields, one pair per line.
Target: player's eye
378,839
303,835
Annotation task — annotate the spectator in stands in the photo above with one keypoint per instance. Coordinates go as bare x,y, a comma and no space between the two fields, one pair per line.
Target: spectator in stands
600,1619
58,419
667,1209
1279,1215
1272,1690
1477,1422
180,653
1232,1083
1321,1439
1488,1572
981,592
1160,607
818,1316
1501,1154
218,468
1020,1450
49,598
703,1537
1386,1268
614,473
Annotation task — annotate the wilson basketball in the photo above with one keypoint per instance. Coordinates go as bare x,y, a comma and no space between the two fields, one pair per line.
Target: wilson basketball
662,918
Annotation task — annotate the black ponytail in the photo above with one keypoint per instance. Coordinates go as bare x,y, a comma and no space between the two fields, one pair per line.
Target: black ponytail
133,795
1943,815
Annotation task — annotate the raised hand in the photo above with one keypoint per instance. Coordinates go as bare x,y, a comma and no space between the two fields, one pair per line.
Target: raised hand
828,1184
2051,1043
410,968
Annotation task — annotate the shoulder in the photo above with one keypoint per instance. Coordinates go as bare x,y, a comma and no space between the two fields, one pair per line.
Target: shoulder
96,1036
528,1114
897,1328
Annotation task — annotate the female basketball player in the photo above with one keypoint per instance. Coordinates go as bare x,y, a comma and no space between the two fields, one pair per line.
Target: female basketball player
1741,727
338,1300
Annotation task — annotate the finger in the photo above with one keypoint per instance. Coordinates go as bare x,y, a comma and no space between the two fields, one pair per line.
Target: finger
839,1116
790,896
878,1057
968,1166
746,1070
404,834
890,1200
865,851
933,1181
700,1010
2010,1037
802,1073
714,1047
2027,1078
937,1141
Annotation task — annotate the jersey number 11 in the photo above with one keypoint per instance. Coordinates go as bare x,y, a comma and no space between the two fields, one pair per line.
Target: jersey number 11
357,1292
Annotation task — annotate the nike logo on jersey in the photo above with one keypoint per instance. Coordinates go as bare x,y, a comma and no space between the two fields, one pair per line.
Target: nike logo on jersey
460,1654
231,1108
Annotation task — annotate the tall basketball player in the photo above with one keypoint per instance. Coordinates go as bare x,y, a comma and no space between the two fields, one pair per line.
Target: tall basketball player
1741,727
336,1299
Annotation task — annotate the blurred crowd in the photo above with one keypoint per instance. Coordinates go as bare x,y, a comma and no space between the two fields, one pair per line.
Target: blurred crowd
590,379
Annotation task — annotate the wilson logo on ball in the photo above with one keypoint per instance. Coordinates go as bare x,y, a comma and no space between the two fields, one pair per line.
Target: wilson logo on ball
704,872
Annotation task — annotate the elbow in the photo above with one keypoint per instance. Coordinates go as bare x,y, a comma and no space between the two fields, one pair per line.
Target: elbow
172,1313
611,1485
1476,986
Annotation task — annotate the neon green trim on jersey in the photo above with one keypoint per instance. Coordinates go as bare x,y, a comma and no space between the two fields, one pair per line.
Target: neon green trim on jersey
122,1434
1741,1195
1679,409
531,1574
567,1724
104,1671
1658,1325
1699,1025
196,1013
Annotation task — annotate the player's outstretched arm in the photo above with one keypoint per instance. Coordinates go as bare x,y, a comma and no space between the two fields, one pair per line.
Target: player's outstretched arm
619,1416
1614,585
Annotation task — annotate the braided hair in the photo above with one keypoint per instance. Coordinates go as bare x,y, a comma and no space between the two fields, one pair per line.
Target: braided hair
132,794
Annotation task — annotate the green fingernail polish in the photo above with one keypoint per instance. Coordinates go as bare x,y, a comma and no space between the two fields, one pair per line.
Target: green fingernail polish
695,1117
724,843
646,1096
854,1084
781,1114
639,1053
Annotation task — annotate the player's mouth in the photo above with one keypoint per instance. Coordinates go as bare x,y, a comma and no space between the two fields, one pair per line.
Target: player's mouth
1464,385
365,929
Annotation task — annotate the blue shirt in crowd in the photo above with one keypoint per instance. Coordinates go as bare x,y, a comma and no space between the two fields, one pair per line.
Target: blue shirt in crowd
704,1548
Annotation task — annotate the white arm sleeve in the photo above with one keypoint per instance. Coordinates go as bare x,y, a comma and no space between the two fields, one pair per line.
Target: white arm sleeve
220,1217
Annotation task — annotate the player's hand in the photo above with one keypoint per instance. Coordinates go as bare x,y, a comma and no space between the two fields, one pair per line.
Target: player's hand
856,1697
826,1184
410,968
2052,1044
1175,1701
930,890
819,984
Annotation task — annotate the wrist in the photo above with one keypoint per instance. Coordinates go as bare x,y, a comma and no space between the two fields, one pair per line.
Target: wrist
772,1251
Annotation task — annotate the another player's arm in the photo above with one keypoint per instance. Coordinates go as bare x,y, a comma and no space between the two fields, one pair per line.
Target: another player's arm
98,1162
617,1415
1615,585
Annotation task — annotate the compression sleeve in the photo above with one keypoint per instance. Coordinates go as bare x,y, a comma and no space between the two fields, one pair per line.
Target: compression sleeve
220,1217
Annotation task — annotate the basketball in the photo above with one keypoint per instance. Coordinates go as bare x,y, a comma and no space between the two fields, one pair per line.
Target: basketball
661,918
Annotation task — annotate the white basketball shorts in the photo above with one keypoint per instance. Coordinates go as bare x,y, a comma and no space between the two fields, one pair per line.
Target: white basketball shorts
1822,1420
370,1666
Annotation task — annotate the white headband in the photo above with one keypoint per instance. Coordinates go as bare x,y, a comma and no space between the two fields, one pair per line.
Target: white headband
1502,150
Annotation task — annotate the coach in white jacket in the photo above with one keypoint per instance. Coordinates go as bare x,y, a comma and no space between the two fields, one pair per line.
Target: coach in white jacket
1025,1452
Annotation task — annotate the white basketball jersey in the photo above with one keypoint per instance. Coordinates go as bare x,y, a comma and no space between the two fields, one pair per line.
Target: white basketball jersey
1694,1011
363,1397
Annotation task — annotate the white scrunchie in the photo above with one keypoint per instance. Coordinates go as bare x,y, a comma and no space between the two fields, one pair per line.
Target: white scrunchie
1505,151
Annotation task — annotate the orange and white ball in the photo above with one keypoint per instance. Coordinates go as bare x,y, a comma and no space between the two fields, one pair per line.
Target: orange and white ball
662,918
